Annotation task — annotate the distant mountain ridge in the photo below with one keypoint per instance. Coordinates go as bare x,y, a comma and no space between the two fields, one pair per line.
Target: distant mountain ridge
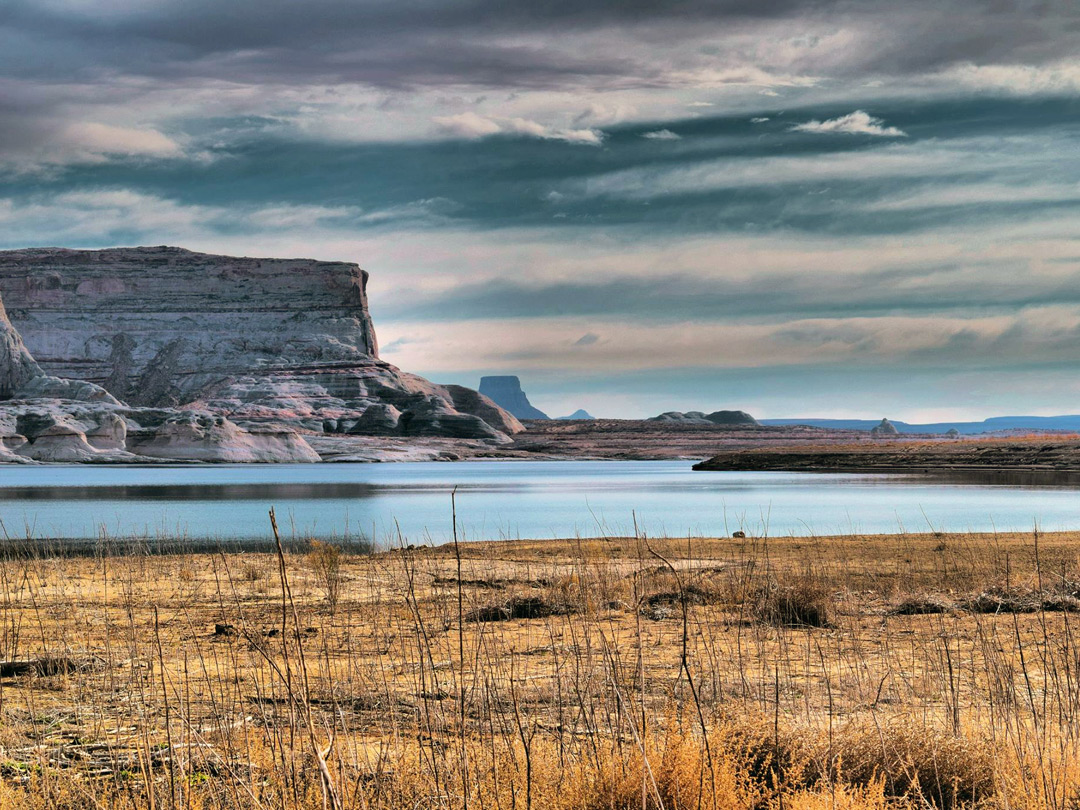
1070,422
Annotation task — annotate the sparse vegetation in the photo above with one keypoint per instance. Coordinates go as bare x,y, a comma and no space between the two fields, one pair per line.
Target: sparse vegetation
619,673
325,562
806,601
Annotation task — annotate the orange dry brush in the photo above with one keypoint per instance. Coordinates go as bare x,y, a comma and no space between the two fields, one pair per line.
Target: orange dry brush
853,672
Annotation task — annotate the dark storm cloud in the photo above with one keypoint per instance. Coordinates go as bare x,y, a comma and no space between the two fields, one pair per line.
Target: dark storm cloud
396,44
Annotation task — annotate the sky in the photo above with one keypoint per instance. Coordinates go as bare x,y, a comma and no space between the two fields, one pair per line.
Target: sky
816,208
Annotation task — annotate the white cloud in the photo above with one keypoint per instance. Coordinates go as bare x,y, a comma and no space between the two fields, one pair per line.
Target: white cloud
301,216
759,120
42,144
471,125
1058,77
662,135
590,137
524,126
104,139
894,160
748,75
94,215
856,123
962,194
467,125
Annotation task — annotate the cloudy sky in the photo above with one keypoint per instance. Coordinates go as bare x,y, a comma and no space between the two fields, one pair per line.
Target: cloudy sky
794,207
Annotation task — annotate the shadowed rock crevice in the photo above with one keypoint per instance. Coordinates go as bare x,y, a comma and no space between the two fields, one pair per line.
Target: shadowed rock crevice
17,367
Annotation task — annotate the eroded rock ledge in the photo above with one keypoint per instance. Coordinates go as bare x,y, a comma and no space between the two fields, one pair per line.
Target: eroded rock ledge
140,353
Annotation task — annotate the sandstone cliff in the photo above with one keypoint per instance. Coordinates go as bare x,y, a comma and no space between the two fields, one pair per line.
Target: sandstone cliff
46,418
265,343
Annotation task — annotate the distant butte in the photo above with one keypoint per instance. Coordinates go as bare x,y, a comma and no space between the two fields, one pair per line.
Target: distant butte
506,392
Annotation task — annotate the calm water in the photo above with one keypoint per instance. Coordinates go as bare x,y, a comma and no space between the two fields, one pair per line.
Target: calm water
529,499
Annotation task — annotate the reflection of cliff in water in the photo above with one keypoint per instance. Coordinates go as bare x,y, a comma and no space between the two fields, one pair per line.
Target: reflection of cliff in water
194,492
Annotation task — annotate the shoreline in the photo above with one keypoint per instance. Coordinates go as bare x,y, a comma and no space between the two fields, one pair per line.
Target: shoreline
600,547
1001,455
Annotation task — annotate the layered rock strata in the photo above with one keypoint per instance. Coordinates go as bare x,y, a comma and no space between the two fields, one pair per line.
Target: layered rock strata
45,418
272,346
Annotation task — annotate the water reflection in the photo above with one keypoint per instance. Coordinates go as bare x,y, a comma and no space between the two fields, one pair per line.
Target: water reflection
529,499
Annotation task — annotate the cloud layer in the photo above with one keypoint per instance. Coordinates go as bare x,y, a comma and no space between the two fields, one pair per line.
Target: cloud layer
778,198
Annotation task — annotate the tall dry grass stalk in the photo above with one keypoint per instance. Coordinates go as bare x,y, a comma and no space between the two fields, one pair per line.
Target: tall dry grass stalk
854,672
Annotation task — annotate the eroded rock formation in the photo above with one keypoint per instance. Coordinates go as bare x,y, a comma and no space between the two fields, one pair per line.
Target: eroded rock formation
271,346
884,428
723,418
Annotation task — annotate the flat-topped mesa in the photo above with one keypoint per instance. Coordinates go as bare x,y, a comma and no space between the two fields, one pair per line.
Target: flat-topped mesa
286,341
158,326
505,391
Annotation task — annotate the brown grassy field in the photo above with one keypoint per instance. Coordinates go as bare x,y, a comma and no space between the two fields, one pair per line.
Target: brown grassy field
846,672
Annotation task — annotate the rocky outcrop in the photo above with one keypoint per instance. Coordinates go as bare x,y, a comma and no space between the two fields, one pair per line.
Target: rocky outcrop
884,428
194,436
722,418
731,418
689,417
276,343
505,391
65,430
475,403
379,419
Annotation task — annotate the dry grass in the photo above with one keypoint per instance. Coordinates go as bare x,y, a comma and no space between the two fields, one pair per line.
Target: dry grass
853,672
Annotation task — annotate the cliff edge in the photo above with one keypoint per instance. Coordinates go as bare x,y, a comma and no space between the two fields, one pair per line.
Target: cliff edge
262,342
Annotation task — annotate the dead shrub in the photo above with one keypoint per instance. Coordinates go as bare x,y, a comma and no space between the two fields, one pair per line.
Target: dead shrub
1060,604
921,606
668,604
933,767
519,607
806,601
324,560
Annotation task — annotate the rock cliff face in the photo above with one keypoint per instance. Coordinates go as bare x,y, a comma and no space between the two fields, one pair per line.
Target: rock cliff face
271,342
45,418
17,367
506,392
157,326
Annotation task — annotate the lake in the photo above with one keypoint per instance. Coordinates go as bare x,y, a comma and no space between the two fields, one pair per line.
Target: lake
508,499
